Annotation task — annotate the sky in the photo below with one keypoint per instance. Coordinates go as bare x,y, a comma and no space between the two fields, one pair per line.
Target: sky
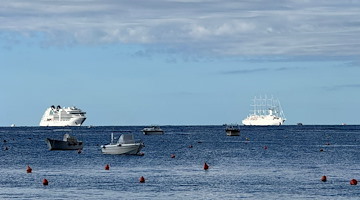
179,62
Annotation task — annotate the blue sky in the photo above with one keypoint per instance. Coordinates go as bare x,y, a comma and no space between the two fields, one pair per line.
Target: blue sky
179,62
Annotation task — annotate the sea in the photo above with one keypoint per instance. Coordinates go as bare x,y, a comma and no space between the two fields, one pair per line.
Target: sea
275,162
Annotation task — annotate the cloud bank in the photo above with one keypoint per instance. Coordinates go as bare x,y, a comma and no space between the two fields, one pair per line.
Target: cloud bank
215,27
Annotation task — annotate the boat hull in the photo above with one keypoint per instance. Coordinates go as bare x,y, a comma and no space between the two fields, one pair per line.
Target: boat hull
63,145
153,132
263,121
118,149
232,132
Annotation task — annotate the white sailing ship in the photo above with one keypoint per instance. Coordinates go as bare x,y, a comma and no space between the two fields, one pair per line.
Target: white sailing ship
266,112
66,116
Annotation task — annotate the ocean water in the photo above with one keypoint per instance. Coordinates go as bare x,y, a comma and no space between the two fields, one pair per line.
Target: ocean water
283,162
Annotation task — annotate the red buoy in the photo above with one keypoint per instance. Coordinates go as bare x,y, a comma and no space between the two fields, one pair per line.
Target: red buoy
323,179
107,167
206,166
45,181
142,179
28,169
172,155
353,182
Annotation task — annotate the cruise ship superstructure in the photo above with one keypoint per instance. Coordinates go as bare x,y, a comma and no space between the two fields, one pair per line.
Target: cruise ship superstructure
266,112
66,116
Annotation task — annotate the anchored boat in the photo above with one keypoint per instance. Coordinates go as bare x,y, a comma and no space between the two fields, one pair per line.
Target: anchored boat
68,143
153,130
232,130
125,145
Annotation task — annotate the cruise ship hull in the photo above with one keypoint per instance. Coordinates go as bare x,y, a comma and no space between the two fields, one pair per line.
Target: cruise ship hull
71,122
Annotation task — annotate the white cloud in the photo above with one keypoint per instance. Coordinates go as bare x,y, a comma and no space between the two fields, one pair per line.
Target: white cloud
257,27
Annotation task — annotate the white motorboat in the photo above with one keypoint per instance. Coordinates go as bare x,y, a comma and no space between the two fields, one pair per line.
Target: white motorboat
125,145
266,112
153,130
232,130
68,143
66,116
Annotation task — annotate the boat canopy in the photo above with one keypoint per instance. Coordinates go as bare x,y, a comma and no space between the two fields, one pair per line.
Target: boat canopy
69,138
126,139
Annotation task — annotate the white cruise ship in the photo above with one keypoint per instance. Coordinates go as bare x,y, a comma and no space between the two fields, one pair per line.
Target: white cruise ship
266,112
66,116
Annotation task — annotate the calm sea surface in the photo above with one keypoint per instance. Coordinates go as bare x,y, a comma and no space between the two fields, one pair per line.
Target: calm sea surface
283,162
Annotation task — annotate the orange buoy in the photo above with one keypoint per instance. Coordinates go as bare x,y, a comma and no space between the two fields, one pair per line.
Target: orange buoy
28,169
323,179
45,182
107,167
353,182
172,156
206,166
142,179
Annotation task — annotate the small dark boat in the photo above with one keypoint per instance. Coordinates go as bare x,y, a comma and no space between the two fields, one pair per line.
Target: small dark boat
232,130
153,130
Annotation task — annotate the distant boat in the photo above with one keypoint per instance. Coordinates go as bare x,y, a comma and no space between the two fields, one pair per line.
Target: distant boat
66,116
153,130
266,112
299,124
125,145
68,143
232,130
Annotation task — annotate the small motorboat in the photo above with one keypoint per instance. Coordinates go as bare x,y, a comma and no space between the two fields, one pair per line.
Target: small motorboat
68,143
232,130
125,145
153,130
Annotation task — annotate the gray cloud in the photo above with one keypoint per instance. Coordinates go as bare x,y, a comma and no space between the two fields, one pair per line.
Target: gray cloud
210,27
244,71
256,70
342,87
